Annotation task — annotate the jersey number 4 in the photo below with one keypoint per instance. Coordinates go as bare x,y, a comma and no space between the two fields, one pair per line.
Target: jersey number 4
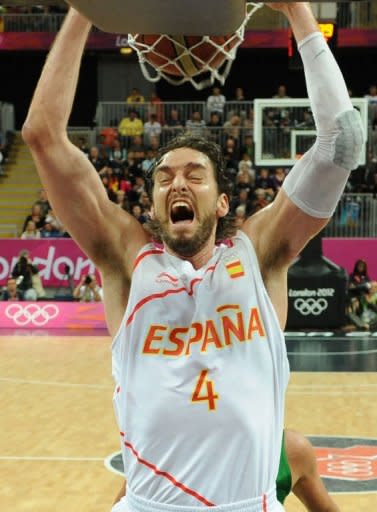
204,391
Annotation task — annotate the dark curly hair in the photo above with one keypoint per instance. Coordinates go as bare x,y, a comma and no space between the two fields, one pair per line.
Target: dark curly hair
225,225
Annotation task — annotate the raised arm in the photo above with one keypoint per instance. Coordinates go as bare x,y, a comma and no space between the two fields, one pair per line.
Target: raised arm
313,187
73,186
307,484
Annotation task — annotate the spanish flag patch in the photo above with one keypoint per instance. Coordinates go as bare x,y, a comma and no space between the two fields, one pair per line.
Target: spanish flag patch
235,269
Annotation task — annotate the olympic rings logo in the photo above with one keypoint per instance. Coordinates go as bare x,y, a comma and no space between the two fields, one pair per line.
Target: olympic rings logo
310,306
32,314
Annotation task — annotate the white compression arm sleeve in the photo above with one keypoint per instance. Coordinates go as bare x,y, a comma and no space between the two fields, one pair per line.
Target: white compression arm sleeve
316,182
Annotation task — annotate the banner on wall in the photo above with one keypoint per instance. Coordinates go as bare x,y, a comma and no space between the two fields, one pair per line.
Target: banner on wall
52,315
54,256
56,259
26,41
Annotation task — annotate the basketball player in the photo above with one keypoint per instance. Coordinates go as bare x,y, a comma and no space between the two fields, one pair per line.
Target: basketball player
199,357
297,473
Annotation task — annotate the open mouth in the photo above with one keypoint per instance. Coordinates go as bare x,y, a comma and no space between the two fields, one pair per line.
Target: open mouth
181,213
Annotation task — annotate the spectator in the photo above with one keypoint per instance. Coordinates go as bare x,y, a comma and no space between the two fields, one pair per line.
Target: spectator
307,121
88,290
122,200
232,128
108,136
125,181
138,213
36,216
129,127
214,120
173,124
149,160
117,156
239,94
359,274
265,182
195,126
362,305
145,203
152,128
31,232
53,228
154,144
83,146
23,272
243,181
43,202
137,145
278,178
137,189
261,200
112,179
245,166
156,107
248,123
10,292
281,92
135,96
131,164
96,160
216,102
243,199
249,147
214,126
240,216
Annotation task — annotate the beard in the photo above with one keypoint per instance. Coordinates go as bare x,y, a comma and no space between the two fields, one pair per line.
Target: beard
186,247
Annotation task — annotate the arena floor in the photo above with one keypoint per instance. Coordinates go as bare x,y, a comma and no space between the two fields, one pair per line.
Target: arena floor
58,427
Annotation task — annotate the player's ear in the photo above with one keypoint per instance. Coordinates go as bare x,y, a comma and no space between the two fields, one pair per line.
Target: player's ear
222,205
152,213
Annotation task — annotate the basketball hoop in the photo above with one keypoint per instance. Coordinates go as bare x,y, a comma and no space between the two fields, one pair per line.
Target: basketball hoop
199,60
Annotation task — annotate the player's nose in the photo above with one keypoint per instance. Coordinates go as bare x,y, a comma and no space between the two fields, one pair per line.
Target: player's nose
179,182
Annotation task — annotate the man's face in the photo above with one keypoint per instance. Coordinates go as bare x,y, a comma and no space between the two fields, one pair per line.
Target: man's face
94,152
11,285
186,201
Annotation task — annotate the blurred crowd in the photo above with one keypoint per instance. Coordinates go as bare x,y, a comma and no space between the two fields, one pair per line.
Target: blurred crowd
128,148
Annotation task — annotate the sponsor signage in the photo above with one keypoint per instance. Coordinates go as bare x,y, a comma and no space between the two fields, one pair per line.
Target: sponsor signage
311,302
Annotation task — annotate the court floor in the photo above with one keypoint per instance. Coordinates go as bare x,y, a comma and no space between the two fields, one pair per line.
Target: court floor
57,425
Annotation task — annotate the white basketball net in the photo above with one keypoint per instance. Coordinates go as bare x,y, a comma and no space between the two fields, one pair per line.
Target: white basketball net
205,76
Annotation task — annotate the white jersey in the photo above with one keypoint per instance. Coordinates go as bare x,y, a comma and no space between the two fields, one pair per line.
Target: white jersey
201,371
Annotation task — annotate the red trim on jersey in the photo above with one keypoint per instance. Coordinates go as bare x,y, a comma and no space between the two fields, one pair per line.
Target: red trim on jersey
168,476
161,295
172,278
148,298
227,306
264,503
146,253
